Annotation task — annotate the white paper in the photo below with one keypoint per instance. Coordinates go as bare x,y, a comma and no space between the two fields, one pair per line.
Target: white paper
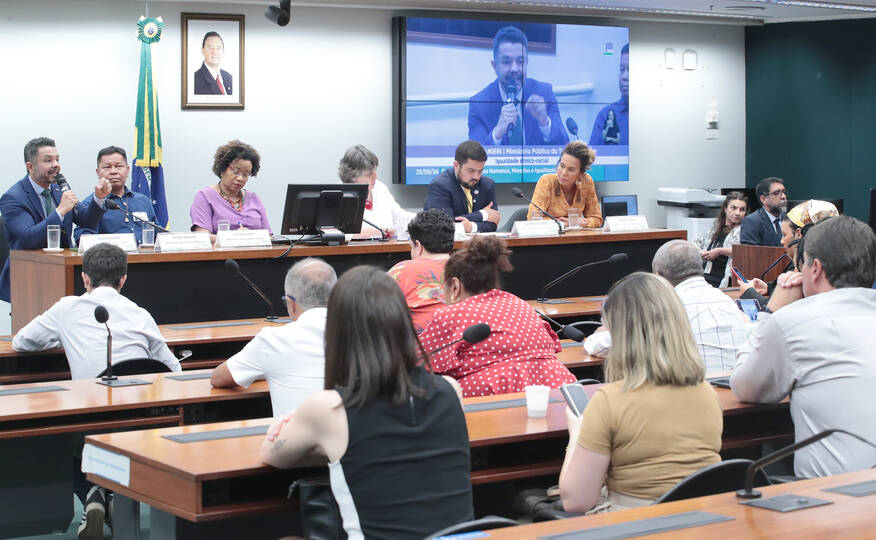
109,465
526,229
625,223
239,238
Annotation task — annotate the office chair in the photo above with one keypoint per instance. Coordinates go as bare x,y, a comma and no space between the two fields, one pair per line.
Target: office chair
518,215
482,524
138,366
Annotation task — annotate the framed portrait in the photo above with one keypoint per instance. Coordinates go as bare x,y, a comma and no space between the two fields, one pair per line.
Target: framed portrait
212,61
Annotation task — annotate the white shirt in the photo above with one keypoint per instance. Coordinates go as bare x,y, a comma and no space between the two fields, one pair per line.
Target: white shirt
385,212
70,324
820,351
290,357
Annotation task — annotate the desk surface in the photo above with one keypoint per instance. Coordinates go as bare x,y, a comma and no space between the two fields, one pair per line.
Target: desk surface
588,306
848,517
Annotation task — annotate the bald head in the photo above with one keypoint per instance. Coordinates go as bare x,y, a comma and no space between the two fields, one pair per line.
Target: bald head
677,261
310,282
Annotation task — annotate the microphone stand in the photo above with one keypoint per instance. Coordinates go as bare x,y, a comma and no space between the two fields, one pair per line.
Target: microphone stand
383,237
108,378
519,194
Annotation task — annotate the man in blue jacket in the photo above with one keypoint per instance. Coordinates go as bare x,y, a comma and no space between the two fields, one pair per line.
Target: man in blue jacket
514,110
764,227
36,201
462,192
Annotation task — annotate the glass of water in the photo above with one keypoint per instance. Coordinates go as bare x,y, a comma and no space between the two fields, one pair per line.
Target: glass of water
223,225
574,220
148,238
53,236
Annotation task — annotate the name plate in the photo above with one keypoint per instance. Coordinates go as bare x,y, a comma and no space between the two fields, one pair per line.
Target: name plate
625,223
526,229
191,241
459,231
239,238
126,241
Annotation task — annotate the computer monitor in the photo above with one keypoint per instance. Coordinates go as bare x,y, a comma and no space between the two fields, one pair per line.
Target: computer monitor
873,209
310,207
619,205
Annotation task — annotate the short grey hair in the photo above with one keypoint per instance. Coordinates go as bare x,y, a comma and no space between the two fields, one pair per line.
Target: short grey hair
310,282
357,161
677,261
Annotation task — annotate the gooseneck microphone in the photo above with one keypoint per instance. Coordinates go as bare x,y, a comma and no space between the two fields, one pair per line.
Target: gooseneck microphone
101,315
567,331
382,232
775,262
519,194
511,97
232,266
614,259
471,335
113,205
572,126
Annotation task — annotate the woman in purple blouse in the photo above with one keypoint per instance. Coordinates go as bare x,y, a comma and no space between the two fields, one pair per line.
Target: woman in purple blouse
234,163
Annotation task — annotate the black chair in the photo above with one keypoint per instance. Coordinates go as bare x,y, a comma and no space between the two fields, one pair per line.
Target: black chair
518,215
483,524
138,366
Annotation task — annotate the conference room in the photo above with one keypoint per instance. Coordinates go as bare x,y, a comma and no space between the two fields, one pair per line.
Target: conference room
722,97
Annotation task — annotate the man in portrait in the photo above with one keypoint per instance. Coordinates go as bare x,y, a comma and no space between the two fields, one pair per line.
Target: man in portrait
612,124
211,79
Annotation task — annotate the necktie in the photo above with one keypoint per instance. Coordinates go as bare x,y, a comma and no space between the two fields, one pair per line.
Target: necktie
778,224
219,82
48,204
515,137
468,201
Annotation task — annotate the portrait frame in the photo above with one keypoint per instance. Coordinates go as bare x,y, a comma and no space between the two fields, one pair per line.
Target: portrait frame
199,90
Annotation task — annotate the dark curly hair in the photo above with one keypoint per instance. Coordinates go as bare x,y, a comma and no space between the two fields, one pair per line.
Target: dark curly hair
434,229
478,264
234,150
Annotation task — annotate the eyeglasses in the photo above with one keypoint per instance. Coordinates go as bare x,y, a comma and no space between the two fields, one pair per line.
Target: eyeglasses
778,192
237,172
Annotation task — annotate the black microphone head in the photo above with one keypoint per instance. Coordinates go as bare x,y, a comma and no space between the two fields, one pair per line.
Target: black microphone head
231,265
517,192
101,315
572,125
511,93
573,333
476,333
62,182
618,257
111,204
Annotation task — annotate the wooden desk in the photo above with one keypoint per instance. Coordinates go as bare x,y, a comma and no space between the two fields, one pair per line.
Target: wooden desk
194,286
848,517
188,492
37,434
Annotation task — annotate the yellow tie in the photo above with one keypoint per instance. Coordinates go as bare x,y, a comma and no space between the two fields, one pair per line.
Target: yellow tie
468,200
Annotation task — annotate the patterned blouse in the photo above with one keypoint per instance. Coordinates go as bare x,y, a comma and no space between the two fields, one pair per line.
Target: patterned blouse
421,282
549,196
522,349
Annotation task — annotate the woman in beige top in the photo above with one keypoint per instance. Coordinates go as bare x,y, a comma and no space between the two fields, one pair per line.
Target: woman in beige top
570,188
657,420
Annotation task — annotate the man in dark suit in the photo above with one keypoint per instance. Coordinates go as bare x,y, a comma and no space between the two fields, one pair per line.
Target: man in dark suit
210,79
36,201
462,192
764,227
513,109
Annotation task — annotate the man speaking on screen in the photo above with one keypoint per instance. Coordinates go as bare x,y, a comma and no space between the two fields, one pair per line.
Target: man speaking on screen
612,124
514,110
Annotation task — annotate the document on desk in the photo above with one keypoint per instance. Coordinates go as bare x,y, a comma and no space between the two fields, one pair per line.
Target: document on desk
110,465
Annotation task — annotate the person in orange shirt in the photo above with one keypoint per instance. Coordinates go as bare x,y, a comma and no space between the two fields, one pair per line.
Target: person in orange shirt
570,188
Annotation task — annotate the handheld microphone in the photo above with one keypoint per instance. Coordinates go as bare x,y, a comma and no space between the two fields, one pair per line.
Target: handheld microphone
572,126
382,232
775,262
614,259
519,194
101,315
232,266
64,185
568,331
511,94
471,335
113,205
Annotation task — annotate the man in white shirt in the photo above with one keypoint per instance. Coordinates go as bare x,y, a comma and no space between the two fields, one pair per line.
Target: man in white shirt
70,323
814,342
718,325
290,357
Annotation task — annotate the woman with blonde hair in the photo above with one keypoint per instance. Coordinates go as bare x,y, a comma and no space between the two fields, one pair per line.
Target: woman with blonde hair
656,420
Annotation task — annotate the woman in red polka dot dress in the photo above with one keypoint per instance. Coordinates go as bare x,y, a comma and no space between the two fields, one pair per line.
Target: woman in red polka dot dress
521,350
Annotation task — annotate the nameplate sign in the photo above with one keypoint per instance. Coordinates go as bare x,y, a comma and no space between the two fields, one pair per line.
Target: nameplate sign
168,242
459,231
126,241
625,224
109,465
527,229
240,238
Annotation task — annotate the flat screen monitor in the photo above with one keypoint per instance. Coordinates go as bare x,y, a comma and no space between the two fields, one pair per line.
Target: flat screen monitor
310,207
873,209
460,79
620,205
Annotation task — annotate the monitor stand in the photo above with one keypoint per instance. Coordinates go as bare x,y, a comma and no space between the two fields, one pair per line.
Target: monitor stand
326,236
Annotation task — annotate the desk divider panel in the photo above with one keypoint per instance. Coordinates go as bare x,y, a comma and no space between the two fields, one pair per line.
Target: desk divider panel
504,404
31,390
218,434
641,527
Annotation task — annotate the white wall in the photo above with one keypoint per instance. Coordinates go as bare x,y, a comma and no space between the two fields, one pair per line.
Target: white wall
313,89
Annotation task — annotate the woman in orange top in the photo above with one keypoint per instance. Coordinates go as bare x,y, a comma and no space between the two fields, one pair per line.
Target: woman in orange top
571,187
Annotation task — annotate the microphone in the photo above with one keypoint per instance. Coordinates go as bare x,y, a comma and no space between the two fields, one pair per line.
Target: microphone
232,266
572,126
101,315
614,259
775,262
568,331
749,493
62,183
382,232
113,205
471,335
519,194
511,93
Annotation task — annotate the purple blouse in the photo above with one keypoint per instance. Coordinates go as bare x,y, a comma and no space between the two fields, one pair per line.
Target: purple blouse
209,207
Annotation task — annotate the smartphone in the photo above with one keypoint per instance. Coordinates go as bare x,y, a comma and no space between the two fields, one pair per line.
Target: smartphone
576,397
749,306
738,274
720,382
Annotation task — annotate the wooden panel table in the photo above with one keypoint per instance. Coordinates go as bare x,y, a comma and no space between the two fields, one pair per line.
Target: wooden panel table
37,433
194,286
847,517
200,482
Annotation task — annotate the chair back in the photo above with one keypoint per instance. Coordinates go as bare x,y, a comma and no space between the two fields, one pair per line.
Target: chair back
518,215
483,524
4,243
138,366
720,477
